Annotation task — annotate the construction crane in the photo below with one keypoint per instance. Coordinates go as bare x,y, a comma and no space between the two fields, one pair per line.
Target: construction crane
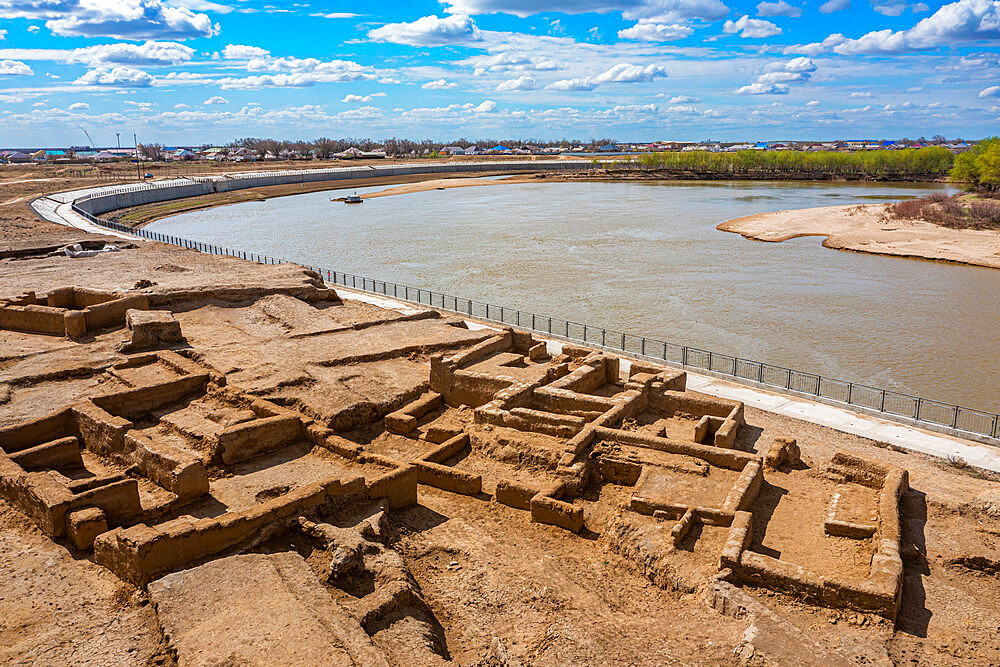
88,137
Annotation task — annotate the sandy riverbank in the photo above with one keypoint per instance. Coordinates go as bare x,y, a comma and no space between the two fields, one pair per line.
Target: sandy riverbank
448,183
865,228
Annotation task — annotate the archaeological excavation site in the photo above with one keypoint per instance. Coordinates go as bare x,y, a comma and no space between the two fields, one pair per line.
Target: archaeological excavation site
205,461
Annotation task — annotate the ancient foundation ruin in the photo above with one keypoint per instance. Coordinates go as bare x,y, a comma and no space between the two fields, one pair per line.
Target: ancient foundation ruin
200,441
69,311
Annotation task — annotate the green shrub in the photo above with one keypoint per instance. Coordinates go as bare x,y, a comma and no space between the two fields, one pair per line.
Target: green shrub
979,167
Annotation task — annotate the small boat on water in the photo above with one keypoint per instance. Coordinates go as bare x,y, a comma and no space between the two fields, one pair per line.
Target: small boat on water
350,199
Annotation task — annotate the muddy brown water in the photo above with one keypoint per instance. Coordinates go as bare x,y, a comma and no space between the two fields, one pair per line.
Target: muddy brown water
646,258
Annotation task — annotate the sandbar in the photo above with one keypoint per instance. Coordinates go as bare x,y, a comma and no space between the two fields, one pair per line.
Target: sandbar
867,228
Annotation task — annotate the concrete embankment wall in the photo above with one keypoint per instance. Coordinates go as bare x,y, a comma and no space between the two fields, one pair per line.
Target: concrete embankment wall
114,198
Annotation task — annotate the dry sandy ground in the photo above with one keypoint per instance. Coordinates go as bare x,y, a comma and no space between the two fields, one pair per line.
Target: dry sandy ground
550,596
866,229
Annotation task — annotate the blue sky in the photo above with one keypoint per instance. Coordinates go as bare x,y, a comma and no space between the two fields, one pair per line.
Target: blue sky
194,71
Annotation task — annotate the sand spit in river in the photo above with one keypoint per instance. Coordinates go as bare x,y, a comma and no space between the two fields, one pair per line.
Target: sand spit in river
866,229
448,183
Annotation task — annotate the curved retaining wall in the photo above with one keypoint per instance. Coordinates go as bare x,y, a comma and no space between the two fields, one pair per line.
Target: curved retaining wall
117,197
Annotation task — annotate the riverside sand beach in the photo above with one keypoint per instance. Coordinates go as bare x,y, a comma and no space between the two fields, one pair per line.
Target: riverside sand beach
867,228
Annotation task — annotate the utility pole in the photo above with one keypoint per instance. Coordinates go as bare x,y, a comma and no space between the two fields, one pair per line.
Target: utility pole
138,162
118,136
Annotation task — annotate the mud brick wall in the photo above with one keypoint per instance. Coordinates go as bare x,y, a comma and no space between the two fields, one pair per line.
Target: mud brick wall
502,342
77,298
113,312
242,442
678,402
723,458
44,500
584,379
515,494
743,494
571,402
37,431
102,432
35,319
398,487
141,553
881,591
137,402
177,471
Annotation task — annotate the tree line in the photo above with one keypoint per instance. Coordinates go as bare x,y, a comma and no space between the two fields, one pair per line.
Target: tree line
908,162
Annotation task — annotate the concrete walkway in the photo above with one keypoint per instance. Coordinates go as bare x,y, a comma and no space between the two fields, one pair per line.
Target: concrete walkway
61,212
846,421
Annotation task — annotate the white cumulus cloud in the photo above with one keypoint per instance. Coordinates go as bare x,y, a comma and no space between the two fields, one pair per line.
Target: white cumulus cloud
439,84
14,68
664,11
243,52
428,31
752,28
776,77
992,91
628,73
216,99
120,77
763,89
149,54
890,8
798,65
511,62
122,19
361,98
78,106
524,82
573,84
832,6
961,21
620,73
656,32
780,8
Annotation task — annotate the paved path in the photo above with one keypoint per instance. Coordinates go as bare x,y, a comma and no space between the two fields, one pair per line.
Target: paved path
900,435
58,208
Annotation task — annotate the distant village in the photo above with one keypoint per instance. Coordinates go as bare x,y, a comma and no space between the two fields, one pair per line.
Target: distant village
274,150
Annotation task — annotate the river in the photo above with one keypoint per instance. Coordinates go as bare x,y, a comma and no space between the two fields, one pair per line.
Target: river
645,257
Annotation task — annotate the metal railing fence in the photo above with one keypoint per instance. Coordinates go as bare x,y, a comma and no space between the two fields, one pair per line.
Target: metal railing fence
884,402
